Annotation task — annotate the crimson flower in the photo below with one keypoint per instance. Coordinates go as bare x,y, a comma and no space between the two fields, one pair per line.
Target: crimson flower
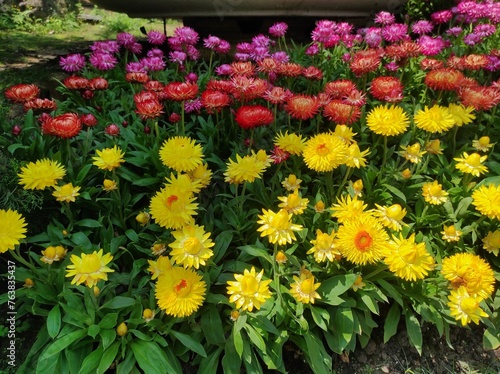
251,116
388,89
40,105
302,106
148,105
64,126
341,113
98,83
214,101
181,91
21,93
76,83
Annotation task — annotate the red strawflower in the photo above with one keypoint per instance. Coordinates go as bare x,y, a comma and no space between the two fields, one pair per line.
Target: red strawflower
40,105
88,119
455,62
364,64
245,88
65,126
445,79
475,62
181,91
174,118
387,89
245,68
431,64
87,94
279,155
20,93
289,69
154,86
137,77
76,83
341,113
481,98
302,106
312,72
214,101
16,130
339,88
267,65
252,116
98,83
220,85
43,117
411,49
277,95
355,97
147,105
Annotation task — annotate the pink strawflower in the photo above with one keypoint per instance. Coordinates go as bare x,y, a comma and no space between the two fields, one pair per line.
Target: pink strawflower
153,63
109,46
191,77
103,61
175,43
192,52
177,57
156,37
135,48
493,63
431,46
259,53
224,69
422,27
223,47
373,37
211,42
186,35
454,31
135,67
261,41
472,39
193,106
323,31
125,39
344,28
155,52
442,16
395,32
72,63
280,57
244,48
312,50
278,29
242,56
484,30
392,66
384,18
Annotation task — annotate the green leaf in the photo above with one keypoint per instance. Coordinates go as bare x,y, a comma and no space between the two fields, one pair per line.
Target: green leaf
109,321
414,331
118,302
491,339
48,365
82,174
93,330
54,321
189,342
222,242
108,357
151,358
333,287
146,181
319,360
210,364
92,223
391,291
342,329
107,337
318,319
256,251
369,302
81,240
463,205
211,324
391,322
238,342
63,342
91,362
132,235
255,337
396,192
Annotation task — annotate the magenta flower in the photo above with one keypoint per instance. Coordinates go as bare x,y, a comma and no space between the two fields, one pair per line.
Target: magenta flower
224,69
211,42
186,35
323,31
395,32
193,106
155,52
441,16
242,56
191,77
278,29
261,41
259,53
103,61
72,63
344,28
373,37
135,67
484,30
153,63
431,46
472,39
454,31
244,48
280,57
156,37
109,46
312,50
384,18
177,57
422,27
223,47
125,39
192,52
135,48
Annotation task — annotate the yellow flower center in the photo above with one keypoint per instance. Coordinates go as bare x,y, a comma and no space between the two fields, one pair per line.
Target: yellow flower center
484,141
280,220
362,240
293,200
249,285
50,252
435,190
91,264
192,246
306,286
395,212
450,231
322,149
474,160
469,305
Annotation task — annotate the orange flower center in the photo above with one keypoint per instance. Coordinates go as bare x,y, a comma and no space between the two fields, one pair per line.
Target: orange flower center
181,287
363,240
171,199
322,149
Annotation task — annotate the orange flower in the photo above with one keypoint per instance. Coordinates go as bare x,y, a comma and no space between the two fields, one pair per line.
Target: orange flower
340,88
312,72
37,104
446,79
213,101
365,62
475,62
137,77
387,89
247,88
431,64
251,116
267,65
277,95
289,69
481,98
64,126
180,91
302,106
341,113
76,83
245,68
148,105
20,93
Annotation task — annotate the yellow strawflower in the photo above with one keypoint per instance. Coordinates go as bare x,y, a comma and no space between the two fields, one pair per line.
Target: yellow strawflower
291,143
192,246
249,291
324,247
465,307
12,229
491,242
278,227
173,208
304,288
89,268
486,199
434,119
244,169
387,120
391,216
67,193
324,152
433,193
412,153
41,174
471,164
451,233
293,203
109,158
347,207
181,153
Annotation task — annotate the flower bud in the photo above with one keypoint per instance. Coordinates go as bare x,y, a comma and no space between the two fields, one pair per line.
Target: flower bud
142,218
406,173
281,257
148,314
16,130
96,291
28,283
234,315
174,118
319,207
358,187
109,185
122,329
112,130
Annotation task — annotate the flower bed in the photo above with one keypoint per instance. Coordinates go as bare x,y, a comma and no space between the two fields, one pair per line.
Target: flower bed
210,211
